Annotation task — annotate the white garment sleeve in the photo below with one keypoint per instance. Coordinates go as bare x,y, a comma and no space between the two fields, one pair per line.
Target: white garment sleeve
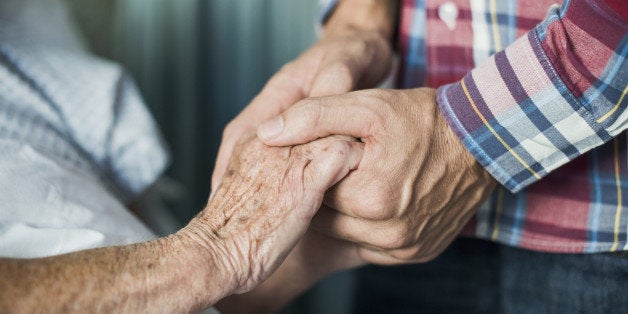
48,208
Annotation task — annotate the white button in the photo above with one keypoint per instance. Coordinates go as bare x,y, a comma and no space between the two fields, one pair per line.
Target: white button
448,13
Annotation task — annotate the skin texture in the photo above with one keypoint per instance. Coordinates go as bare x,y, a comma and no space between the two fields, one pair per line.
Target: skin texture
271,204
353,52
417,185
255,218
315,257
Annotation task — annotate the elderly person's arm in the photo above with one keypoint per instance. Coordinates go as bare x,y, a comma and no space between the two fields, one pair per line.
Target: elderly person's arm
315,257
252,222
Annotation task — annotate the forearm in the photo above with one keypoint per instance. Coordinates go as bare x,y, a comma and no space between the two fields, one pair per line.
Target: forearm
375,15
534,106
164,275
285,284
315,257
256,217
289,281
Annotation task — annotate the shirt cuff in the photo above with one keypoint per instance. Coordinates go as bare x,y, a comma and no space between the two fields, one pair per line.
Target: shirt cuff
517,117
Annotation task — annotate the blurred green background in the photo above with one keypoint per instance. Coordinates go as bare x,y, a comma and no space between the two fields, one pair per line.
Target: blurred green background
198,63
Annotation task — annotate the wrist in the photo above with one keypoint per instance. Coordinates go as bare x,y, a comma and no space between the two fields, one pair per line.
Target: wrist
375,16
309,262
451,142
208,258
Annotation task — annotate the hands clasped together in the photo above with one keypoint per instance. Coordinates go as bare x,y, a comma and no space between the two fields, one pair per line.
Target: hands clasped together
265,203
416,185
335,178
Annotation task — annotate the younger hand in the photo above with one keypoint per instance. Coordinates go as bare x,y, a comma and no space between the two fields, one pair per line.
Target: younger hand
341,61
415,188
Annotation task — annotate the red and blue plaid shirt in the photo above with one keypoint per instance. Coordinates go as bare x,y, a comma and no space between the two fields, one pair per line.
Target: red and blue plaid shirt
537,93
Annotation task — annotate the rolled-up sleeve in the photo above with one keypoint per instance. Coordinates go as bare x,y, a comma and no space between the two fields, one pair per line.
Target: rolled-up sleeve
552,95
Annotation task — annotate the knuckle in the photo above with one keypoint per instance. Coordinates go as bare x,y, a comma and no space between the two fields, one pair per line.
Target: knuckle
335,150
286,74
379,96
375,109
400,236
390,243
235,132
247,147
339,148
395,237
373,208
407,254
230,129
343,75
286,68
360,48
378,203
255,144
311,113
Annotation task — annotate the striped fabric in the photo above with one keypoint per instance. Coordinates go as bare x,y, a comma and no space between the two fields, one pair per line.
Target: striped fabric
536,92
80,111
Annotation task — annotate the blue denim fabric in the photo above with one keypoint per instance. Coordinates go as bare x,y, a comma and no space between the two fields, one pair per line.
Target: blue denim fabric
476,276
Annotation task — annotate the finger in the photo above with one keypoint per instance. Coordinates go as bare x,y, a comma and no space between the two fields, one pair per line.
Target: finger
380,257
314,148
366,194
314,118
279,93
359,64
437,236
233,134
344,254
373,238
376,235
335,78
329,166
222,162
333,164
326,169
408,255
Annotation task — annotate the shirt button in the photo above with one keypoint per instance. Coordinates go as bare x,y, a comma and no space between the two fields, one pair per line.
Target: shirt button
448,13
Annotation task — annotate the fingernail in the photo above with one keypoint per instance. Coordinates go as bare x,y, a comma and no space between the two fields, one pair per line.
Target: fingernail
270,129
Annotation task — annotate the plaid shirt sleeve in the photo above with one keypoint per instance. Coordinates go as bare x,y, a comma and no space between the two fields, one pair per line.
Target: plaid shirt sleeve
551,96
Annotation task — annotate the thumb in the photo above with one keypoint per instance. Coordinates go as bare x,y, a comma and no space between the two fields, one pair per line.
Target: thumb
222,162
315,118
333,79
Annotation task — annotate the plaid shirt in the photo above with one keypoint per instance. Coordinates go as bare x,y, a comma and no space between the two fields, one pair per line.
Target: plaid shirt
536,92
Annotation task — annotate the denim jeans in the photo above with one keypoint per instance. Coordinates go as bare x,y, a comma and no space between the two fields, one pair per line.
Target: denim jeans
475,276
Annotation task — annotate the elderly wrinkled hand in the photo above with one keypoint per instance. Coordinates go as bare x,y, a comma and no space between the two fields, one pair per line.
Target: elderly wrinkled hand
416,186
253,221
265,203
